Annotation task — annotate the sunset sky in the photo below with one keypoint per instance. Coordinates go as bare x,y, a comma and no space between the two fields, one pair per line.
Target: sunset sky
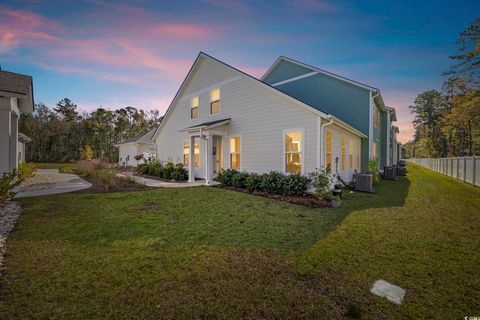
119,53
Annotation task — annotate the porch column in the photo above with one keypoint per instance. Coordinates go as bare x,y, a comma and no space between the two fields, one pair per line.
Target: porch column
209,160
14,142
5,123
191,158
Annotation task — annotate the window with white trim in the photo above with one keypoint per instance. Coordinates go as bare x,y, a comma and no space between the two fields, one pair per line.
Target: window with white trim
374,151
194,108
235,153
344,143
358,156
293,151
350,153
186,154
328,149
215,101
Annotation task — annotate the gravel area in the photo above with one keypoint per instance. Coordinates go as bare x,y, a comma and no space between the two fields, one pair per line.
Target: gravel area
9,213
37,182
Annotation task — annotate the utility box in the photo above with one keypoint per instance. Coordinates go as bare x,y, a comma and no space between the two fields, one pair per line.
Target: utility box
363,182
389,173
401,171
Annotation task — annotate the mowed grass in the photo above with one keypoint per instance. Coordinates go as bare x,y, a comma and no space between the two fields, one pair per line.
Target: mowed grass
212,253
51,165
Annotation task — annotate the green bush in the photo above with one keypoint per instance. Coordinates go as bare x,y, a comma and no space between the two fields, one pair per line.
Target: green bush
8,182
65,170
254,182
179,174
295,185
373,169
239,180
226,176
168,170
321,181
273,182
26,170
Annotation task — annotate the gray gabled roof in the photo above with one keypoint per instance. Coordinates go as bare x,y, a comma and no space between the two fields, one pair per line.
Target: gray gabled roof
19,85
208,125
141,138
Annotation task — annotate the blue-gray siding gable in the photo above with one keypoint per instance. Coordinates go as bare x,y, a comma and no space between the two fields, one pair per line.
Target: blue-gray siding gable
284,71
341,99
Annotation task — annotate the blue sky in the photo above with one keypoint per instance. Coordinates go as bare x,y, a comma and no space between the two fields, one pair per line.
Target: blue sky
119,53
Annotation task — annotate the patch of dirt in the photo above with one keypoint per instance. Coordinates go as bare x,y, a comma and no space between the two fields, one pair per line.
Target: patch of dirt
308,200
147,206
121,185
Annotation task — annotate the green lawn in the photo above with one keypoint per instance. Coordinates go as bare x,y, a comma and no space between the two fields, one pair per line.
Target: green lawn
212,253
72,165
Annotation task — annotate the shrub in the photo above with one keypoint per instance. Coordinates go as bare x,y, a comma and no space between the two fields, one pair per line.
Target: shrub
295,185
239,179
65,170
86,153
94,164
254,182
138,157
373,169
321,180
8,182
106,179
26,170
168,170
273,182
179,174
226,176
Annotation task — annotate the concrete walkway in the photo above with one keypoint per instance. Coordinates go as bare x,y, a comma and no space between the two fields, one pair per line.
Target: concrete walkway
162,184
50,181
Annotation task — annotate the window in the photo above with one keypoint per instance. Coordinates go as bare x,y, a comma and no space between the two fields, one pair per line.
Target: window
328,149
374,151
293,151
186,154
350,153
358,156
215,101
344,142
376,117
235,153
194,108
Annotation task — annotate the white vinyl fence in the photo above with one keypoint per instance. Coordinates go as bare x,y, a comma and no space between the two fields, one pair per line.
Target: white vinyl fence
466,169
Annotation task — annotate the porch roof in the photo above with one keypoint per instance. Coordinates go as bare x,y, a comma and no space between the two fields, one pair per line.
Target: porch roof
207,125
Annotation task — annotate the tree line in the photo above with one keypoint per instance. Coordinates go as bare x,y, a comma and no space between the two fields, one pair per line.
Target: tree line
63,133
447,122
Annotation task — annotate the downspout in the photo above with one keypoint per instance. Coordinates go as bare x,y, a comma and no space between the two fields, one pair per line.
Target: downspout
370,133
322,139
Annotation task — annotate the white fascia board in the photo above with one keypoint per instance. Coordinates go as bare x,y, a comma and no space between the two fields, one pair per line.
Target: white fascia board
295,78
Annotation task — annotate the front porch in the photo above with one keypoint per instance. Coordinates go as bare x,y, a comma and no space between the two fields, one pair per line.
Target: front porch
213,134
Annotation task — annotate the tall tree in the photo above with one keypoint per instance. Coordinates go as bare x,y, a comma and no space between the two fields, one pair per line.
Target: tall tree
68,112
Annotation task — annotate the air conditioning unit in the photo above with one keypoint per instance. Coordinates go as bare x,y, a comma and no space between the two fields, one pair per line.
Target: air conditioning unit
363,182
389,173
402,163
401,171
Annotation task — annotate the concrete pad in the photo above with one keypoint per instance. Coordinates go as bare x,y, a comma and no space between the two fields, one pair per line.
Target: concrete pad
57,183
387,290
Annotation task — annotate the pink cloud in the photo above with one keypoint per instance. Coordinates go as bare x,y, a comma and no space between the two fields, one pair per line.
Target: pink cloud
256,72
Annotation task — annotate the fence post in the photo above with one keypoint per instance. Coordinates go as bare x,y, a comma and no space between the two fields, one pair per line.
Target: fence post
464,169
474,170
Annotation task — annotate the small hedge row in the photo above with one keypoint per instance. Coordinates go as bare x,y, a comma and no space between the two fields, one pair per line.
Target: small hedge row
273,182
169,171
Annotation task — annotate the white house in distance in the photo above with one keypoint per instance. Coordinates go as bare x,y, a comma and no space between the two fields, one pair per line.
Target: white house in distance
234,120
16,96
140,144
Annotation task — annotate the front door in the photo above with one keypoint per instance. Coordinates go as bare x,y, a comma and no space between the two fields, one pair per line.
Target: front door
217,156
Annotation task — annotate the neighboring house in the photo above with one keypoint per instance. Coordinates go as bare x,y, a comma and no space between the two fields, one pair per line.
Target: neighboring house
16,96
234,120
22,141
137,145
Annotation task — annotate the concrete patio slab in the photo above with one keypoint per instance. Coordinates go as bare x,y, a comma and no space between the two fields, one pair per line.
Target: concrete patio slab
50,181
387,290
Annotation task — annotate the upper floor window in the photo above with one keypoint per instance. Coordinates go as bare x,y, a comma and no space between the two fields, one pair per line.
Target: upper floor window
215,101
293,151
194,108
374,151
376,117
328,149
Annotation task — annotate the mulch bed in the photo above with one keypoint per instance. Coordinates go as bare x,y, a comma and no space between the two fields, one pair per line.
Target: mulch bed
308,200
121,186
138,174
